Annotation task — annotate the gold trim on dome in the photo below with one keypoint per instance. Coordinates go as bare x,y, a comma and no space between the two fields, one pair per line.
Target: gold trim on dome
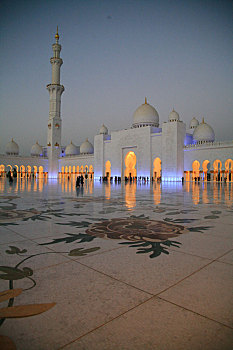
146,101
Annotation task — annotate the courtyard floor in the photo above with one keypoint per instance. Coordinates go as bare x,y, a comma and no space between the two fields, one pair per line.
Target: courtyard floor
115,266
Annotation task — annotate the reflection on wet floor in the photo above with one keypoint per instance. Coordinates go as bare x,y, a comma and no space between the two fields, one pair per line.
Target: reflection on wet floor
204,192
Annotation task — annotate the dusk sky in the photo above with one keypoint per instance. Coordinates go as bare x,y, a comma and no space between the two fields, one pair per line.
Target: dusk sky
176,53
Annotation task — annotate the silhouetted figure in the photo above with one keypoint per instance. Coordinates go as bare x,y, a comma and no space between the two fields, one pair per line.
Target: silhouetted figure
77,181
82,180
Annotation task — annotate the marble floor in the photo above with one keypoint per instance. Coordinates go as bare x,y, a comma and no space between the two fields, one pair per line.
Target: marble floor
115,266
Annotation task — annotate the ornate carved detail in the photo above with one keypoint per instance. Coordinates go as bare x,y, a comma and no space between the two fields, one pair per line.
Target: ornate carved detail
57,126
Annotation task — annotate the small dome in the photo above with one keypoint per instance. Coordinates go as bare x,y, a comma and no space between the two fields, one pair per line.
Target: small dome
173,116
145,115
203,132
103,130
37,150
12,148
194,123
71,150
86,147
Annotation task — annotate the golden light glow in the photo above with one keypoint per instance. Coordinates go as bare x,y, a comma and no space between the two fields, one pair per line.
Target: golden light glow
108,168
130,163
157,168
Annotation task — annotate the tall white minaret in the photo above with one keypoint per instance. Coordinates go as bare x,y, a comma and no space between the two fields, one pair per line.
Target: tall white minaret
54,122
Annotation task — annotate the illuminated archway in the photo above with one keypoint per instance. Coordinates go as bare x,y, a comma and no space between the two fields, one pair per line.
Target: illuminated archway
108,168
81,169
217,165
2,170
74,169
196,171
228,170
70,170
41,170
62,170
91,170
29,170
157,168
22,170
77,169
130,163
205,167
35,170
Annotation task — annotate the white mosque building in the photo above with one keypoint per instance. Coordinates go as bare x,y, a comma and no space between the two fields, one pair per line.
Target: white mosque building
169,150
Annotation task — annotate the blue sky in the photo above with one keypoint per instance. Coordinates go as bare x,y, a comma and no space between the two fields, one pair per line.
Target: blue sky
177,53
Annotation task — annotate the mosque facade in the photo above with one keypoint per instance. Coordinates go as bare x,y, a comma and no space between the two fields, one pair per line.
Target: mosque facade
169,151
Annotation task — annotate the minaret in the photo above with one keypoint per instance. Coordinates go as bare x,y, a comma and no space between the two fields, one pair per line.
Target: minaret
54,122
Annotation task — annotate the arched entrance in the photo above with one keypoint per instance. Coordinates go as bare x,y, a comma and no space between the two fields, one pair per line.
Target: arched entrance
206,169
196,170
157,168
217,165
2,170
130,163
228,170
108,169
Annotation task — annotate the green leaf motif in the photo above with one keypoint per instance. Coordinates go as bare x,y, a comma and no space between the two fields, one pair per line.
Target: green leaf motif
77,224
12,273
72,238
82,251
15,250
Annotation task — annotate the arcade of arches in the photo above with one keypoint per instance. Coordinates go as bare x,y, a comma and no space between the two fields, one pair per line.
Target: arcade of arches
205,171
217,171
77,170
23,171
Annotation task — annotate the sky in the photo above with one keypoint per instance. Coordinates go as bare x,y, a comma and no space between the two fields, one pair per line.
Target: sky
178,54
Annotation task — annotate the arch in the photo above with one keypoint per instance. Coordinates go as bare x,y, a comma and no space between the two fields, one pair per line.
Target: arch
77,169
206,169
74,169
35,170
2,170
157,168
217,165
228,170
41,171
108,168
66,170
29,169
86,169
62,170
91,169
22,170
81,169
9,167
196,169
70,170
130,163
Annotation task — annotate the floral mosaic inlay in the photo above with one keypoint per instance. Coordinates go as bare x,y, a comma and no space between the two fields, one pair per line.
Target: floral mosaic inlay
135,229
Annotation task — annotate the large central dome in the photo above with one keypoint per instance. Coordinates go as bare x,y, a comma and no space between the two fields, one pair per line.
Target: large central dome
145,115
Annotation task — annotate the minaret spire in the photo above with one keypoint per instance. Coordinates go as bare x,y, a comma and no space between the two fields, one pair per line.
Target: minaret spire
54,124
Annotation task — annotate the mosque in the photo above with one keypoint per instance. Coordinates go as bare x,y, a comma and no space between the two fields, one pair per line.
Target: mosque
148,149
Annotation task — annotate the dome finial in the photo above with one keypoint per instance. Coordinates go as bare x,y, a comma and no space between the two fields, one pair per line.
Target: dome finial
203,120
145,101
57,35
